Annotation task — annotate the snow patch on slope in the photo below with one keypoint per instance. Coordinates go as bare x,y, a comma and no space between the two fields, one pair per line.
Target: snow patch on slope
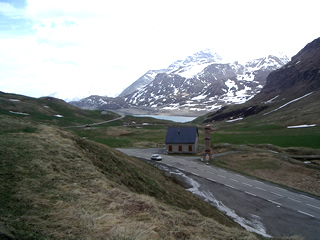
297,99
20,113
193,70
302,126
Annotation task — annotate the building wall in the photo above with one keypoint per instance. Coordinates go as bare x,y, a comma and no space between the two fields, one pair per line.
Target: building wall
182,148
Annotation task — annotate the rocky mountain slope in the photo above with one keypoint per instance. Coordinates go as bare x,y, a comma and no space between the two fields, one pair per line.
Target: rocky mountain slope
201,82
144,80
291,93
95,102
217,84
298,77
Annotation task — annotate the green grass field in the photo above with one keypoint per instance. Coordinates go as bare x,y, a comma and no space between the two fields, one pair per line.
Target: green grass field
270,134
116,135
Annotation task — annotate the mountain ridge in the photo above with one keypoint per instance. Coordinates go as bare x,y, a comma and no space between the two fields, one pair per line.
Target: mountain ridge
200,83
291,93
298,77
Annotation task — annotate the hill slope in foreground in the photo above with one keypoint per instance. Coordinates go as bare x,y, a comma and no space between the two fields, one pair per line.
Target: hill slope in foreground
55,185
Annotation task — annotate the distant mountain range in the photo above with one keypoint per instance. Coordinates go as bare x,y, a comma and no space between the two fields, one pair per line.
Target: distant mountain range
200,83
291,94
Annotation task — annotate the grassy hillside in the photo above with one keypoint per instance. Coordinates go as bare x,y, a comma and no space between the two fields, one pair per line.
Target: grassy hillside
268,126
268,134
49,110
119,136
55,185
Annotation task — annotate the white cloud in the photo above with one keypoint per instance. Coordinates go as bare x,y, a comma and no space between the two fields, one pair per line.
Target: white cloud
75,47
8,10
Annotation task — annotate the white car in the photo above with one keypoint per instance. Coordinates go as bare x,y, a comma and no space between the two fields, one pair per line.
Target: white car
156,157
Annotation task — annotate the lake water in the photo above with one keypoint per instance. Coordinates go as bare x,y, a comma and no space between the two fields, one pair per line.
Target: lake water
179,119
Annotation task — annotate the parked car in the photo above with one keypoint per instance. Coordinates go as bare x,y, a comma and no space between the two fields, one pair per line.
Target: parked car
156,157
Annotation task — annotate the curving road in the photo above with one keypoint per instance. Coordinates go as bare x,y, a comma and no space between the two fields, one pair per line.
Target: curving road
299,213
99,123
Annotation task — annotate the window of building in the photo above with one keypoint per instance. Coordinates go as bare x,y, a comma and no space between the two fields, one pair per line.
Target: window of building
170,148
180,148
190,148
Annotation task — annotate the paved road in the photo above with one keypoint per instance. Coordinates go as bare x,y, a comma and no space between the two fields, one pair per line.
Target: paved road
295,205
99,123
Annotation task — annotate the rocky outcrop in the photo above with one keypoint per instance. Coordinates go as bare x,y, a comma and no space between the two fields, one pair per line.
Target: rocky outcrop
298,77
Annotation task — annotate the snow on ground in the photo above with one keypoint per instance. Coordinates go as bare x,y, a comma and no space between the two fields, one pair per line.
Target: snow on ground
193,70
302,126
271,100
20,113
172,106
14,100
231,84
297,99
246,77
102,101
235,99
233,120
200,97
213,107
176,90
234,96
59,116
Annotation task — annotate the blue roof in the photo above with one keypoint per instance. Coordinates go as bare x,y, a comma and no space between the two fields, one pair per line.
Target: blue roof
186,135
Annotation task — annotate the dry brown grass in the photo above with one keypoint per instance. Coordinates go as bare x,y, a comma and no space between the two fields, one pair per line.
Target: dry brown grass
63,195
295,176
117,131
145,144
274,167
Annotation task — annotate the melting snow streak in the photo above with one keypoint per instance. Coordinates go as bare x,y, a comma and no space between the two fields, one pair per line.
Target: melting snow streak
302,126
297,99
20,113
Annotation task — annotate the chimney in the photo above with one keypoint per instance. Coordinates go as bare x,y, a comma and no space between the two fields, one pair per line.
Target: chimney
207,141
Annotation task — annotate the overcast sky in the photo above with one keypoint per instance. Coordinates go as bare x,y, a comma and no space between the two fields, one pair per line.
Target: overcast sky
77,47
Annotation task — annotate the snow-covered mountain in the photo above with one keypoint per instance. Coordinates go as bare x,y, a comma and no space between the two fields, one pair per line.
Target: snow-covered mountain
201,82
187,68
144,80
95,102
216,84
196,62
77,94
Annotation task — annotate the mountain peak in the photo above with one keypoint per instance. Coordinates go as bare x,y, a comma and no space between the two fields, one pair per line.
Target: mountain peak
204,56
208,53
270,61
